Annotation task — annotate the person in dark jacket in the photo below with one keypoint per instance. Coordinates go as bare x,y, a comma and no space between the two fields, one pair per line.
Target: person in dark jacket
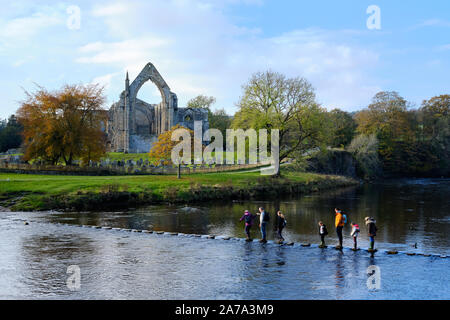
372,231
280,224
248,218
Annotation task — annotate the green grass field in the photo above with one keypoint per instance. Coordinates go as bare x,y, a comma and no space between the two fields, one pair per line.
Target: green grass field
30,191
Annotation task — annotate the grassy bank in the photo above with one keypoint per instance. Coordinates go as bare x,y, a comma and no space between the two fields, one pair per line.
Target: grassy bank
26,192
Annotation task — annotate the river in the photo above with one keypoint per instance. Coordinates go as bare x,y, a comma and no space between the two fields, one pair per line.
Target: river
412,216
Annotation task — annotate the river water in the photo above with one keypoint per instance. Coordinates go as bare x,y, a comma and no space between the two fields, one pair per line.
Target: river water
117,264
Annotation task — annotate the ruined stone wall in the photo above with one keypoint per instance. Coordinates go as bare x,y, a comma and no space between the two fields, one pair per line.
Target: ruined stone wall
134,125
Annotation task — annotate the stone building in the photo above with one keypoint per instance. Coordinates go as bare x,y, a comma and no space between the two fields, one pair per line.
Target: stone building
134,125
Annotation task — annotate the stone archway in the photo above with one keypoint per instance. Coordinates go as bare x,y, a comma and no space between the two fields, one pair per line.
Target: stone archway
164,111
150,73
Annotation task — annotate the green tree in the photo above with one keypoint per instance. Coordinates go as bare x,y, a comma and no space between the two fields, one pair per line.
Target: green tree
201,101
388,117
365,151
272,101
10,134
343,128
434,134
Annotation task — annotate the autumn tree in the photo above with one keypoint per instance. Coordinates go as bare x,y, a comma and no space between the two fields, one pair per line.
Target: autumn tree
66,124
161,151
270,100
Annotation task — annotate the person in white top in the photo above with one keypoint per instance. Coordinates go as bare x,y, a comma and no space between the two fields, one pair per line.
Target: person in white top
354,234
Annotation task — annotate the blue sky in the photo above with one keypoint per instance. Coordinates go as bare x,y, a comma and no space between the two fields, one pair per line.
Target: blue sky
212,47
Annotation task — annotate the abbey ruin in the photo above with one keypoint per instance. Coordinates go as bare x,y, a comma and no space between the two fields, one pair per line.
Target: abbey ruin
134,125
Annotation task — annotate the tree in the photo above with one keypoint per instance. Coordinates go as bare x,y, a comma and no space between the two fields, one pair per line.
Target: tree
272,101
388,117
220,120
365,151
161,151
434,133
343,128
66,124
10,134
201,101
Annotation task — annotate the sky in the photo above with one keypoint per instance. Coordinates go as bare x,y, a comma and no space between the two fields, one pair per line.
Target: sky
211,47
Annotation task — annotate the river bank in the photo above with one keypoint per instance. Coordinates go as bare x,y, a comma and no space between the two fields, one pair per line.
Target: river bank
27,192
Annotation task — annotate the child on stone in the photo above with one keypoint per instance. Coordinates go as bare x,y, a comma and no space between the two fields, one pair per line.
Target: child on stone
354,234
322,232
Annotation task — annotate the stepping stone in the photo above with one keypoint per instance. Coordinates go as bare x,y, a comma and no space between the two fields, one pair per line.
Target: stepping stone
117,229
211,237
290,244
280,242
147,231
197,235
128,230
107,228
411,253
306,244
427,255
248,240
372,250
323,247
392,252
159,232
137,230
97,227
172,233
443,256
226,238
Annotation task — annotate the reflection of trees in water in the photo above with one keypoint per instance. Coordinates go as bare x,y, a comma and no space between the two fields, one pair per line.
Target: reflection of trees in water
405,213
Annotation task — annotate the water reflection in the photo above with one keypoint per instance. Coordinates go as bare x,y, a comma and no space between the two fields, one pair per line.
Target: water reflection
125,265
408,214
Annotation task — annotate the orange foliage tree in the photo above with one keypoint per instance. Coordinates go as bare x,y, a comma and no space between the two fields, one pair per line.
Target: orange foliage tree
162,149
66,124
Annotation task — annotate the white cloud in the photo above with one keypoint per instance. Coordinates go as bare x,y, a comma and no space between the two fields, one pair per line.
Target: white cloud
25,27
105,80
198,50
